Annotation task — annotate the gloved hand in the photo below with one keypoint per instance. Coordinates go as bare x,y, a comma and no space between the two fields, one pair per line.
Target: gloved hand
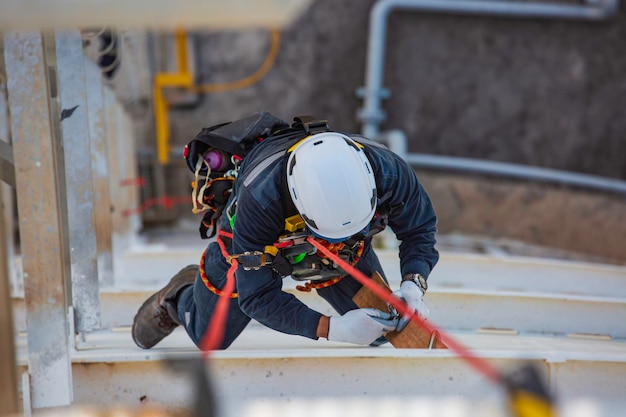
361,326
413,296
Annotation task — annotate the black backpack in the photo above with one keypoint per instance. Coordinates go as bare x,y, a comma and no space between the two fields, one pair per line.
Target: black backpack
215,154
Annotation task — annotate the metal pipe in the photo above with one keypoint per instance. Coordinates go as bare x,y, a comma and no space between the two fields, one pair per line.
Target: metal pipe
396,141
516,171
372,113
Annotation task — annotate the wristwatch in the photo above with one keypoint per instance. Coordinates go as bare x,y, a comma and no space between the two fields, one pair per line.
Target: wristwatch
418,279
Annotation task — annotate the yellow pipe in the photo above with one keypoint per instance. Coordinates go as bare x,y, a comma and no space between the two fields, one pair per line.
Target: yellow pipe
161,123
161,109
181,51
184,79
250,80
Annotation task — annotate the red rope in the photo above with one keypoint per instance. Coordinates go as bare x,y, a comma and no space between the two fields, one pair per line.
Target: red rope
136,182
481,365
214,334
206,281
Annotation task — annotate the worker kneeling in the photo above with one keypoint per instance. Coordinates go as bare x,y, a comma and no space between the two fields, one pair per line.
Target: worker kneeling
290,184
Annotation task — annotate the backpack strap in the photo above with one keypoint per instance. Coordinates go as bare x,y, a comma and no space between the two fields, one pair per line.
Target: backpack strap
310,124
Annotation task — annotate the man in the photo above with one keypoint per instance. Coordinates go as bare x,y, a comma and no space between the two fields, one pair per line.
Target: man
304,180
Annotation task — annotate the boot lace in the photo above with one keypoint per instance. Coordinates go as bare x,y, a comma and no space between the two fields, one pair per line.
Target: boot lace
165,321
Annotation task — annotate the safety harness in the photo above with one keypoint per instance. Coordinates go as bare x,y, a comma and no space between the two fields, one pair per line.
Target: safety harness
292,254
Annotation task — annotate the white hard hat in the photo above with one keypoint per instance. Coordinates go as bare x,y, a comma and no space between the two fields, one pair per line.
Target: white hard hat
332,185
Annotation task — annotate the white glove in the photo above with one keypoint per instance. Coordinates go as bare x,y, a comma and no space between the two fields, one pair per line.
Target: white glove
413,296
361,326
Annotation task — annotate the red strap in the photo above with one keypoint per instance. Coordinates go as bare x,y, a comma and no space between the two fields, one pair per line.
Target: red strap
207,282
308,286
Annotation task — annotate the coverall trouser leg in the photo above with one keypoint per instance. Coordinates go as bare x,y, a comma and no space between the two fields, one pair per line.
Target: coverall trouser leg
196,303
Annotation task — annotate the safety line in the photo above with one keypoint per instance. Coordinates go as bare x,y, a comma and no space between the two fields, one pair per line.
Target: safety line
214,335
165,201
480,364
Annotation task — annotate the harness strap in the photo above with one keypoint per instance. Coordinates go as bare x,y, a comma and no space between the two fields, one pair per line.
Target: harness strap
260,259
231,269
308,286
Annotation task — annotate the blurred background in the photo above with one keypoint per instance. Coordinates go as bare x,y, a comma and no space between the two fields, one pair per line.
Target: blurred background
491,84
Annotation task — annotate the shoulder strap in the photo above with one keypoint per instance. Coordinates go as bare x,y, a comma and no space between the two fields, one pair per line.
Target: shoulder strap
289,208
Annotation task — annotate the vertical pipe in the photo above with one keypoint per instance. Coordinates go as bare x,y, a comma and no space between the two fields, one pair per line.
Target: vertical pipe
80,201
182,57
33,91
161,120
372,113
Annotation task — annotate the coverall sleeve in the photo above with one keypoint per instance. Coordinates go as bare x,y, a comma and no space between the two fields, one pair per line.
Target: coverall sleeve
412,216
260,292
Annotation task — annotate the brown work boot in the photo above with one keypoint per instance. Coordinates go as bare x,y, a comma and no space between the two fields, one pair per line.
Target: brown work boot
156,318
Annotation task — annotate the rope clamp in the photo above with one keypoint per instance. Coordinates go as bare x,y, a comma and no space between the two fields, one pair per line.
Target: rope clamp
251,261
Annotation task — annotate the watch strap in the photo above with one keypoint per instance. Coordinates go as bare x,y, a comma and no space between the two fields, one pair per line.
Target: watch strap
418,279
